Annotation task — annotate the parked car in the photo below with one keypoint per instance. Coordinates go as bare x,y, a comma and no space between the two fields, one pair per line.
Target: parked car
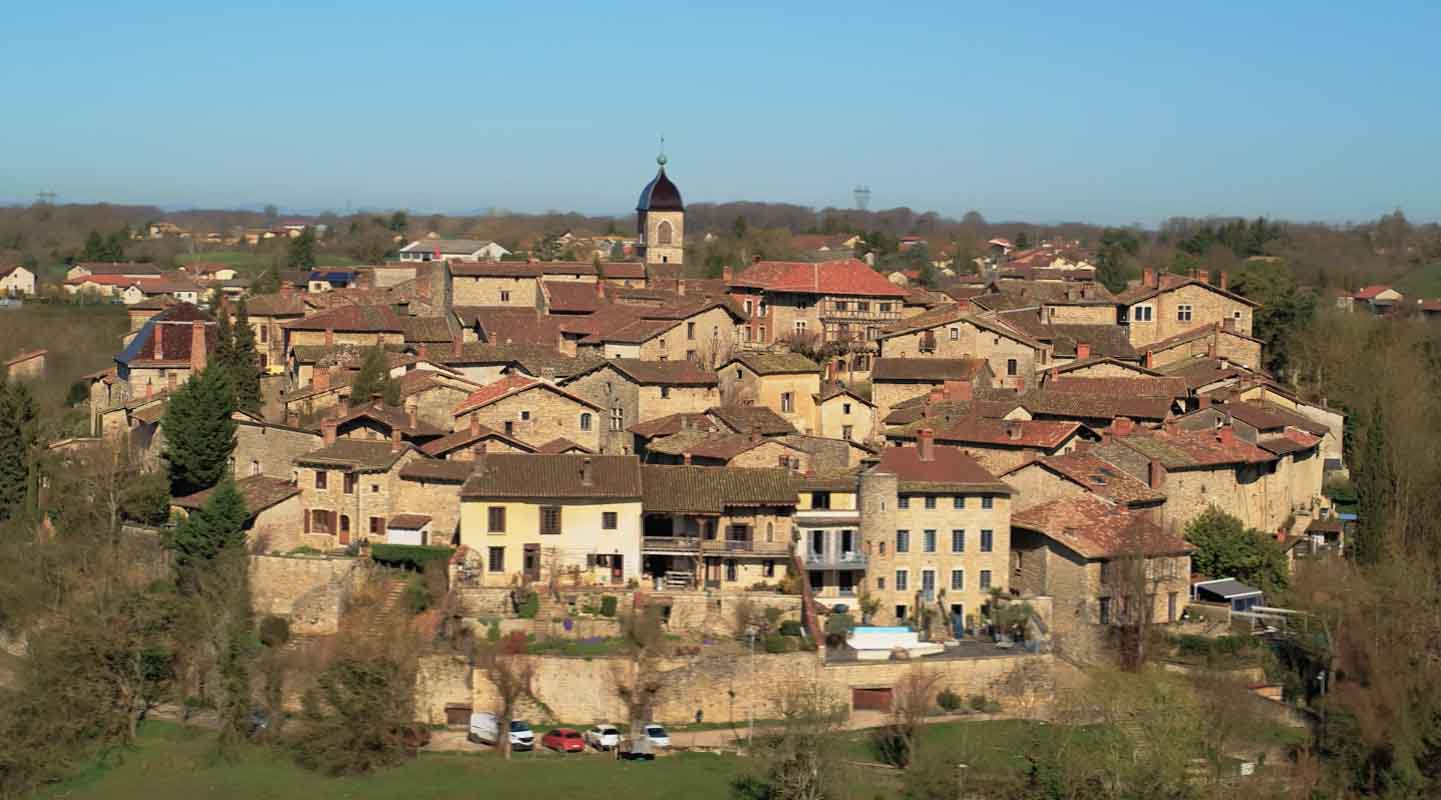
483,729
603,737
564,740
636,748
656,735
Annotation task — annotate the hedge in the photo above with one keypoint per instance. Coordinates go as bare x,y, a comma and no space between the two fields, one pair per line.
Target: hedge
409,556
608,605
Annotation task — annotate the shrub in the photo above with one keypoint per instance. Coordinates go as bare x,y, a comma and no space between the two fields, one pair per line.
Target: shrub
791,627
978,702
409,556
304,550
772,616
417,599
948,700
492,633
608,605
529,606
840,624
274,631
777,644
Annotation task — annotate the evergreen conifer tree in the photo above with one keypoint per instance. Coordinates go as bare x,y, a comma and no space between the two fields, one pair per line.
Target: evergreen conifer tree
199,433
371,379
302,250
245,374
17,438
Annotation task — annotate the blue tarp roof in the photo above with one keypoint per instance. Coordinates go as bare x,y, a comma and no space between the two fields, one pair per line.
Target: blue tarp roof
137,345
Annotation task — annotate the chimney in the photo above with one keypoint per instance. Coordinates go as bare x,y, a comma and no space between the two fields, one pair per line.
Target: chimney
755,435
1226,435
1083,351
1203,275
680,286
329,336
755,259
587,476
926,443
395,443
1013,430
474,424
455,347
599,288
1157,474
410,416
478,453
1224,280
1149,361
197,346
343,402
327,431
159,344
1122,426
424,353
958,390
1155,279
830,371
1204,401
149,390
1148,277
726,274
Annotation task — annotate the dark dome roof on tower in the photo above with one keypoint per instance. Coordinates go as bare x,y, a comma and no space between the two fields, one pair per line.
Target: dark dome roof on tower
660,194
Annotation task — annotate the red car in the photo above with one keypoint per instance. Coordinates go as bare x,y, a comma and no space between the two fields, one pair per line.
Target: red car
565,740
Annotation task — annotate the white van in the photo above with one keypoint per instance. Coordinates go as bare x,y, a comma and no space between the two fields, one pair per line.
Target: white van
483,731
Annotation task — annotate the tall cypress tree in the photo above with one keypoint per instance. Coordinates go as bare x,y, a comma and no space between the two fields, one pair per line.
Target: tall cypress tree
199,433
17,438
245,374
1375,488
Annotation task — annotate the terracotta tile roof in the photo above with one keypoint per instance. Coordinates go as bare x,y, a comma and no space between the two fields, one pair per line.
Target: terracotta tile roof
1138,386
544,477
1099,477
433,470
431,330
992,404
1198,372
1370,292
710,490
508,386
468,437
392,418
493,269
1080,364
1180,450
350,318
618,270
511,325
1270,417
574,297
562,445
1199,332
1292,441
361,455
1105,340
1137,293
102,280
672,424
660,373
1096,406
156,303
1042,434
101,268
719,446
744,419
949,467
1095,528
777,363
949,314
258,491
927,370
409,522
844,277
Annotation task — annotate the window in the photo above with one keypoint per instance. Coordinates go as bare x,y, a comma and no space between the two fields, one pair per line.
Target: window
848,432
903,502
1142,314
800,326
880,548
320,479
495,519
903,541
988,541
928,342
930,502
264,334
609,520
958,540
958,580
1105,608
749,307
377,526
1017,557
617,419
375,488
665,392
509,427
928,541
504,296
885,308
690,330
525,415
958,502
985,579
348,482
1012,368
1236,315
496,562
845,408
768,568
901,580
1183,312
988,502
762,333
663,232
1170,606
881,583
550,520
731,572
788,402
842,305
820,500
585,422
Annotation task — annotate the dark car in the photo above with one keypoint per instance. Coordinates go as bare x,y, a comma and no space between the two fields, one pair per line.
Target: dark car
564,740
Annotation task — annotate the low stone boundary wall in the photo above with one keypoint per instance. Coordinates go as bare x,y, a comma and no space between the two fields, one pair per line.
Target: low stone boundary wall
311,591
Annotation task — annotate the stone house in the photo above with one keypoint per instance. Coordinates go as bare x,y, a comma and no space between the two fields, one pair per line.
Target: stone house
1098,409
362,326
348,487
828,523
936,527
728,450
633,391
843,414
896,380
1319,414
495,283
954,332
166,351
725,529
431,487
269,449
132,270
461,445
750,419
1078,473
24,366
701,331
527,517
274,519
16,280
140,313
1214,341
433,394
1089,365
533,411
375,421
786,383
1294,440
1101,564
1000,445
1162,305
1067,342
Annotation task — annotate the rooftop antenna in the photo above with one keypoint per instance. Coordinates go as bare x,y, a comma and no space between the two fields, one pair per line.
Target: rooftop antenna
863,197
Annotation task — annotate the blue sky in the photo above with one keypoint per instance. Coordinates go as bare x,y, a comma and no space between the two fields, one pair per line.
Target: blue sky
1105,112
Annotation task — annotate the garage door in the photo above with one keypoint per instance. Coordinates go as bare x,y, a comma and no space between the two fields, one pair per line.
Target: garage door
871,699
456,714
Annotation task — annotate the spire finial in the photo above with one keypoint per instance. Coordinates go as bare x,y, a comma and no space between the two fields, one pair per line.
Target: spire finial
661,159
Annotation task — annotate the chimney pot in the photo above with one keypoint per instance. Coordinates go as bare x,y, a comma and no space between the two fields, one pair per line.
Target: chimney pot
1224,281
327,431
1122,426
1203,275
478,452
1083,351
1149,362
1157,474
586,471
726,274
926,443
343,402
410,416
1148,277
395,442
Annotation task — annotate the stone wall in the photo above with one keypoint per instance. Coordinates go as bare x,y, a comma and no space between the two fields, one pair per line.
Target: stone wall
270,450
610,389
1207,306
516,292
551,415
312,592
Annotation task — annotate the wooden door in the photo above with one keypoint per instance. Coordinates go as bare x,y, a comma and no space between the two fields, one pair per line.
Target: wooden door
617,569
531,563
871,699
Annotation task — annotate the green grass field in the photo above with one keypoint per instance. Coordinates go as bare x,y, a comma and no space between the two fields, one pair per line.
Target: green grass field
257,261
1421,282
80,339
177,763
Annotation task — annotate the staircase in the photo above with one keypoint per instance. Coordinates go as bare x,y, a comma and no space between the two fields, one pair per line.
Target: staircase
388,612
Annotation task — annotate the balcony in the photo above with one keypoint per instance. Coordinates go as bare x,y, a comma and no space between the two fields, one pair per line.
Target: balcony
691,545
837,561
861,316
